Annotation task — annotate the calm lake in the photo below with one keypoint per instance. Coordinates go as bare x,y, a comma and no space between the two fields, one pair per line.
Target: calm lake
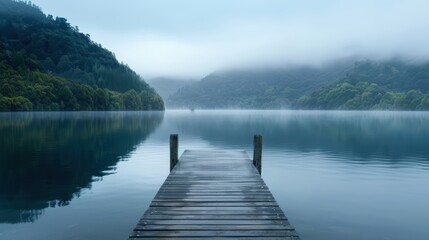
337,175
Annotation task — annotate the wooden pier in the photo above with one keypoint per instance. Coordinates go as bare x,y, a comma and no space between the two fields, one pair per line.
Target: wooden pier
214,195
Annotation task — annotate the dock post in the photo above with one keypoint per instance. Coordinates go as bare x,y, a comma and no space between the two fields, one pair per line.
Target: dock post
257,152
174,149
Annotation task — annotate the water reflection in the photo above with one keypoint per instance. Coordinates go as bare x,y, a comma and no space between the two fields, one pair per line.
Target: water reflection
366,137
48,158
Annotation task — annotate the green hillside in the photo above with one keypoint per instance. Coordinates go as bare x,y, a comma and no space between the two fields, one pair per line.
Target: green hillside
393,85
260,89
360,85
47,64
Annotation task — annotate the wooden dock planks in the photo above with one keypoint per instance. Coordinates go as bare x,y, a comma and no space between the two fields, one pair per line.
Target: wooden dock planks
216,195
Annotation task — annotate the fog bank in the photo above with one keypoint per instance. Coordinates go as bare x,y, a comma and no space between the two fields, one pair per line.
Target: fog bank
194,38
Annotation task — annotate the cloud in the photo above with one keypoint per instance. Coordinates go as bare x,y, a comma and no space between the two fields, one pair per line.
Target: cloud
373,30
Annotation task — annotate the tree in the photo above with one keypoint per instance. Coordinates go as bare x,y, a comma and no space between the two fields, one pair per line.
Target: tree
15,104
132,100
64,64
67,99
48,64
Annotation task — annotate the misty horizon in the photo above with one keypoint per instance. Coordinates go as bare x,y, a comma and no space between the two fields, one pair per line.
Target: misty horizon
191,39
98,99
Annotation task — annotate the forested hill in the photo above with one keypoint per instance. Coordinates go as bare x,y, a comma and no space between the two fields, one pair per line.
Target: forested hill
260,89
47,64
360,85
393,85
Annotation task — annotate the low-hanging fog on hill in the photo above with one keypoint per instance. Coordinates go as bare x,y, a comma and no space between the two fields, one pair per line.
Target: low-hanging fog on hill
191,38
356,55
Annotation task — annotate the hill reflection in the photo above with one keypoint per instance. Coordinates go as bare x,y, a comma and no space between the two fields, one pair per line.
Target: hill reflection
48,158
391,137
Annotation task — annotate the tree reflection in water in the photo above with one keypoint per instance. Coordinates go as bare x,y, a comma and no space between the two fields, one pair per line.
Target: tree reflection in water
48,158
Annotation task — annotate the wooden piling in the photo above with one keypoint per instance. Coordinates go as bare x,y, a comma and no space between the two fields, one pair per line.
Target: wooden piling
257,152
174,150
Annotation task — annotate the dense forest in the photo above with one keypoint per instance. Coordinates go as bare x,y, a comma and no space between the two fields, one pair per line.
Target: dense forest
257,88
356,85
46,64
392,85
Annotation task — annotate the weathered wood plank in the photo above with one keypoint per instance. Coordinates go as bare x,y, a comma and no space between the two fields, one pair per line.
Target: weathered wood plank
221,181
215,195
202,193
219,233
214,217
171,212
220,187
212,222
213,227
216,238
212,204
239,208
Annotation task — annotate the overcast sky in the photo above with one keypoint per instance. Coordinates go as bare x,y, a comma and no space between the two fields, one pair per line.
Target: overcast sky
191,38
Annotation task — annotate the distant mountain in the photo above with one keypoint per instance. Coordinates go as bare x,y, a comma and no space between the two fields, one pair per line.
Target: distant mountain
351,85
47,64
392,85
166,86
260,89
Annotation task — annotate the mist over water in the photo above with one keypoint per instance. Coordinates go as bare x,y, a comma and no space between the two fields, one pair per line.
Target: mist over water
337,175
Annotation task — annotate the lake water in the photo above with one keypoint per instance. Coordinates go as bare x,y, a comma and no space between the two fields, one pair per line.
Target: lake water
336,175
